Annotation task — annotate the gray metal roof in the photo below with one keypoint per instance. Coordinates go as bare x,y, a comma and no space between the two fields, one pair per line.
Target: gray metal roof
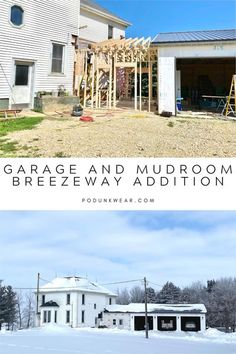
98,7
195,36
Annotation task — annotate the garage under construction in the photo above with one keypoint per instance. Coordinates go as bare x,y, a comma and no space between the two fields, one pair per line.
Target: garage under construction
118,73
193,71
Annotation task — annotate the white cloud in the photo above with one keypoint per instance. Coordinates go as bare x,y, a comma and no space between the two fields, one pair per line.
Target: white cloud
110,246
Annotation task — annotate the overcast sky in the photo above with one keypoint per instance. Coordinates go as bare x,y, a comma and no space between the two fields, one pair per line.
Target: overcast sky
182,247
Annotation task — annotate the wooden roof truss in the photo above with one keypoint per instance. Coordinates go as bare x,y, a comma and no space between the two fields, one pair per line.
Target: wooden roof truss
104,58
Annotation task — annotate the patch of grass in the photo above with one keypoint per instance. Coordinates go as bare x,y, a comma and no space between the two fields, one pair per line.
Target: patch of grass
19,124
60,154
170,124
7,147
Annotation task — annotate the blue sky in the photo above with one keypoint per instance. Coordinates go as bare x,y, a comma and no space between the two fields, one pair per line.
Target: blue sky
182,247
151,17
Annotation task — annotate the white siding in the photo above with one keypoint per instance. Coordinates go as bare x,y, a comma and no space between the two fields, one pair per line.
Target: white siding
76,307
109,317
45,21
128,320
198,50
97,27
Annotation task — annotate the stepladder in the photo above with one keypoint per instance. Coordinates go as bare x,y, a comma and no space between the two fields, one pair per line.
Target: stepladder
230,105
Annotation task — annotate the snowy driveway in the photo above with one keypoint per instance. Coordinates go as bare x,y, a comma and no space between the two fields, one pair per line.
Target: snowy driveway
68,341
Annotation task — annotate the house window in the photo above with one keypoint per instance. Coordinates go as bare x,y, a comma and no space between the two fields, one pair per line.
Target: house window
110,301
22,75
67,316
55,316
17,15
68,299
82,316
43,299
114,322
110,32
83,299
57,58
95,306
46,316
120,322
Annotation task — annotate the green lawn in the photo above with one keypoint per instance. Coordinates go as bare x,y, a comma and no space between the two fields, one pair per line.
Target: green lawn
9,148
18,124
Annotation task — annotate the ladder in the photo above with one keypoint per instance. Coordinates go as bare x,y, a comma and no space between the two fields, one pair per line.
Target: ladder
231,99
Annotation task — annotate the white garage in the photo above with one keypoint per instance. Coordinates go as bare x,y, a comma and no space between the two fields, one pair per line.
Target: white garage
195,68
161,317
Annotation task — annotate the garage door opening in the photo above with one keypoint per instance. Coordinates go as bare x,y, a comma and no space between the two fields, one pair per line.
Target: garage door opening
166,323
190,324
204,83
139,323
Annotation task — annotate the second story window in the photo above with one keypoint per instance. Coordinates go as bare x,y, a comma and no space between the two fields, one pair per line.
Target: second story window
43,299
17,15
57,58
68,299
110,32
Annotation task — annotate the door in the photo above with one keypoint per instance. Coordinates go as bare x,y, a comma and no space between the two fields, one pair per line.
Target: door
166,85
178,84
22,90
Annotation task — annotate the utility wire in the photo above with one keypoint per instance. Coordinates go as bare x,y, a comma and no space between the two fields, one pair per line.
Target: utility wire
75,287
123,282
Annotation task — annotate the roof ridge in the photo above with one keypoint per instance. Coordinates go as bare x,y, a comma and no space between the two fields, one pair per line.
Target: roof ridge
191,31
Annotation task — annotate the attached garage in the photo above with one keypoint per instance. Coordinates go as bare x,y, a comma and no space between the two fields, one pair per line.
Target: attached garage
190,324
195,68
166,323
161,317
139,323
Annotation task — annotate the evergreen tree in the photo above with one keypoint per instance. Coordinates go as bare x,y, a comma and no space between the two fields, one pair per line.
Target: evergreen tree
169,294
8,303
151,296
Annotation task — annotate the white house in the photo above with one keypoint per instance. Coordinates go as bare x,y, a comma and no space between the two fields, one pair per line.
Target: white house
98,24
72,301
192,65
37,41
161,317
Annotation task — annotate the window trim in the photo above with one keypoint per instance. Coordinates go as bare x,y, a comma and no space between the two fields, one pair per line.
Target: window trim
23,16
47,316
63,72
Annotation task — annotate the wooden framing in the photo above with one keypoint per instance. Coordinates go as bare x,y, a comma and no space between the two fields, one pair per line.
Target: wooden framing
108,67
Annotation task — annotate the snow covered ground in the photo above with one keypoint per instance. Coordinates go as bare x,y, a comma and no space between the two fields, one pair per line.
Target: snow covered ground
60,340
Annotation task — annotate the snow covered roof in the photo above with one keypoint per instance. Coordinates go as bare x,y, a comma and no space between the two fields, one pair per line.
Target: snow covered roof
74,284
158,308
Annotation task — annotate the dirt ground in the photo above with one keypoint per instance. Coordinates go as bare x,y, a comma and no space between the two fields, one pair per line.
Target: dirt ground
126,133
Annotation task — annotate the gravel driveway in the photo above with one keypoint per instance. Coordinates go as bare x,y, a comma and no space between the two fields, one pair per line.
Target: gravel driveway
128,134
